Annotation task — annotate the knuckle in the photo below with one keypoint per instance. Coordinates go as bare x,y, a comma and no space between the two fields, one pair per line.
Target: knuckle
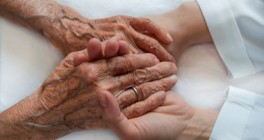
151,103
135,110
88,71
130,62
68,60
140,76
150,88
119,67
121,26
164,86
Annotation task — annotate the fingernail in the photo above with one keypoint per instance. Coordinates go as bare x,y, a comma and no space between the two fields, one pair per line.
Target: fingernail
174,77
103,101
170,38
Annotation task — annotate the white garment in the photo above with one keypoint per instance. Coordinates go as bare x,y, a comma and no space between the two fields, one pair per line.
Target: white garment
237,28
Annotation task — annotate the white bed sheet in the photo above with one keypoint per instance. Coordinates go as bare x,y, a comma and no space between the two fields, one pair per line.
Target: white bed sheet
203,79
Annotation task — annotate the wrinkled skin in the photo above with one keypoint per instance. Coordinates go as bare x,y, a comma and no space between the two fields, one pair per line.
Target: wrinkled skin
69,31
68,100
131,29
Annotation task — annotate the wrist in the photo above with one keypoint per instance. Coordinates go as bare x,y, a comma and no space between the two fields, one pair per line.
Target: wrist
186,25
194,26
62,26
200,126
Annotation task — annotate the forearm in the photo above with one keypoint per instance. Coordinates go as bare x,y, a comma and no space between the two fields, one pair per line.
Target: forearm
46,17
11,131
14,122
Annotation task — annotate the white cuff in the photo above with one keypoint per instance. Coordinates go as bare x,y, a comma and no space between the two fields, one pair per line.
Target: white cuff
226,36
241,117
231,121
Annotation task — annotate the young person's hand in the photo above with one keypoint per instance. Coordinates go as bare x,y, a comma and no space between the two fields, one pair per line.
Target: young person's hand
186,25
174,119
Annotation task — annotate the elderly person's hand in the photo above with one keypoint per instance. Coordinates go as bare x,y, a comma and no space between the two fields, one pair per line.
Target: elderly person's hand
68,100
70,31
174,119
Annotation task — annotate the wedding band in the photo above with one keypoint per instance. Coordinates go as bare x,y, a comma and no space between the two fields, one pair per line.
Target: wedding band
138,95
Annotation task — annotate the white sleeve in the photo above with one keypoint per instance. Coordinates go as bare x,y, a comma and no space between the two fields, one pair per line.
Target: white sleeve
237,29
241,117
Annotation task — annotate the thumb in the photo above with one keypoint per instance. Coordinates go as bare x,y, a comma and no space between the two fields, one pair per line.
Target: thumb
113,117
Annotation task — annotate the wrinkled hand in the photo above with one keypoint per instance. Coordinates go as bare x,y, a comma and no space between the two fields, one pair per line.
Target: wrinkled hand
76,31
68,100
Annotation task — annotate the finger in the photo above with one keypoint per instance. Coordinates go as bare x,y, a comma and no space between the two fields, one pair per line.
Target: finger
127,63
145,25
142,107
81,57
110,108
111,48
123,30
114,118
128,97
121,23
94,48
139,76
123,47
69,61
152,46
142,41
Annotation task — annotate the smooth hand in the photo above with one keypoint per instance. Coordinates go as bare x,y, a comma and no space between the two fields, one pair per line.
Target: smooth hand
186,25
174,119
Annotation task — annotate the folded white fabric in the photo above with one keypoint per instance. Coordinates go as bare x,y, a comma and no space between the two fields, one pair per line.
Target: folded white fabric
241,117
